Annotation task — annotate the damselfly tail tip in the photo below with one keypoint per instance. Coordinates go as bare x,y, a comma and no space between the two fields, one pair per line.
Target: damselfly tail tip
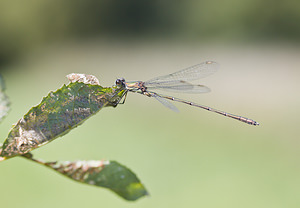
254,123
246,120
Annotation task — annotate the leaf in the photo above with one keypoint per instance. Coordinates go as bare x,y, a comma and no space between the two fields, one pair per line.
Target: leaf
107,174
57,114
4,102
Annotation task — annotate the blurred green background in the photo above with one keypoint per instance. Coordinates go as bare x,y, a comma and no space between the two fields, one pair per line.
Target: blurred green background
193,158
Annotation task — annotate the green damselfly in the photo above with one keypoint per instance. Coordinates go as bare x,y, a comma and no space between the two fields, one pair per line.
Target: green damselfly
178,82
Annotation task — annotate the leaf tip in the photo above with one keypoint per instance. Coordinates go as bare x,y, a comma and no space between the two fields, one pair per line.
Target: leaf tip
135,191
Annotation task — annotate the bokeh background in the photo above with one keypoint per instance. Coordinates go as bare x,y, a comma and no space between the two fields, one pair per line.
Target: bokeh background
189,159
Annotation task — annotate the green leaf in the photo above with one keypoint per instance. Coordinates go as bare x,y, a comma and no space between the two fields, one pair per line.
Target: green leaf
107,174
4,102
58,113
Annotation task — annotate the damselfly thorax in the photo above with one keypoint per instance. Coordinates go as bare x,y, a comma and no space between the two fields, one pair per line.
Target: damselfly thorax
178,82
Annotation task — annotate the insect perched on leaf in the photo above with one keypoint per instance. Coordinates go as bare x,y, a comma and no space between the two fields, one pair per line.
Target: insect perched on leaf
178,82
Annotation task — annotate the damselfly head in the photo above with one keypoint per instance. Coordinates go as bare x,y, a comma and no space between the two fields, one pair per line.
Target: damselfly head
120,82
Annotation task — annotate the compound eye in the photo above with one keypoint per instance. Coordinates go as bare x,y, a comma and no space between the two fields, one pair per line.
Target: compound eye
120,81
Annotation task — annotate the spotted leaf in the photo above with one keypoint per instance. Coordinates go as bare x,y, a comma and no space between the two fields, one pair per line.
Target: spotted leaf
102,173
57,114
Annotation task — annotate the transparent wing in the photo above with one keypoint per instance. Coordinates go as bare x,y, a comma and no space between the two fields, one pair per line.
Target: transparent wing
180,86
192,73
165,102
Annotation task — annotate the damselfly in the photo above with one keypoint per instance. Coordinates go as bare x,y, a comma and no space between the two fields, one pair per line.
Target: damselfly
178,82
